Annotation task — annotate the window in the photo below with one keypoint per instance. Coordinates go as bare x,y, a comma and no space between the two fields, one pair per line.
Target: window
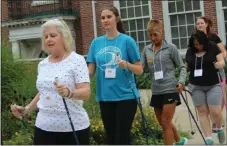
180,20
43,2
135,16
221,10
224,7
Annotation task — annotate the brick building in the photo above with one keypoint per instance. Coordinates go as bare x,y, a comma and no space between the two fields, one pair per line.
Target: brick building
22,20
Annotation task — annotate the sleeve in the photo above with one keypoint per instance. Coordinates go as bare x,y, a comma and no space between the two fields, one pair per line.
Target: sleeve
144,59
216,49
180,64
80,72
132,51
217,39
38,69
91,53
187,55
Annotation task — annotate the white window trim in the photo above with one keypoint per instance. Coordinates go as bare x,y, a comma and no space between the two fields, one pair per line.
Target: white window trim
43,2
166,21
117,5
220,21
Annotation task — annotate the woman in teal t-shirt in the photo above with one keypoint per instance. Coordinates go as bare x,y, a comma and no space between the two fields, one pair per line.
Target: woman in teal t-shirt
115,58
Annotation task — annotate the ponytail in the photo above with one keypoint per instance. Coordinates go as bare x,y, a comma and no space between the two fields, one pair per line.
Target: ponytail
120,27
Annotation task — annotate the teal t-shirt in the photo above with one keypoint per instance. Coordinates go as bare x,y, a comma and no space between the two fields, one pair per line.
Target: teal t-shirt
102,52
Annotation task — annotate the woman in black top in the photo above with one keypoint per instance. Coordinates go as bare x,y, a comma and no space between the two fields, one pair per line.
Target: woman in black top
203,60
204,24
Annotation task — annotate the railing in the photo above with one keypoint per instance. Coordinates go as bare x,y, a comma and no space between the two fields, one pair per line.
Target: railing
24,9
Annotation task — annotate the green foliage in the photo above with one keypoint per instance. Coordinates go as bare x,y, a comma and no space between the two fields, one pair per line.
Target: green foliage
144,81
177,75
25,134
138,134
17,86
91,105
19,138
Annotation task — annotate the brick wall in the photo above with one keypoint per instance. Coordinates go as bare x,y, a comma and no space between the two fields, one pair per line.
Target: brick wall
99,6
157,13
210,12
84,27
4,12
4,17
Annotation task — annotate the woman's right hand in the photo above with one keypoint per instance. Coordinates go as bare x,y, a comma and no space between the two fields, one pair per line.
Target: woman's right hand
18,111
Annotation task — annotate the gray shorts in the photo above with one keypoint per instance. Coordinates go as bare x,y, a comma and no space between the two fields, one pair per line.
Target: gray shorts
210,95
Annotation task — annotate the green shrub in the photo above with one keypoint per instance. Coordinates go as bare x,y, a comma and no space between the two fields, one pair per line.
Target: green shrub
17,86
144,81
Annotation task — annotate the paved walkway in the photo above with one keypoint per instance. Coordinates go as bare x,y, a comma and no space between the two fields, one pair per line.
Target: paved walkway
182,122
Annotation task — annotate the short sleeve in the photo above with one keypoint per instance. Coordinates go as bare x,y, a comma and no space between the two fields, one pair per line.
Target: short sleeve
144,58
187,55
80,72
216,49
132,50
215,38
91,53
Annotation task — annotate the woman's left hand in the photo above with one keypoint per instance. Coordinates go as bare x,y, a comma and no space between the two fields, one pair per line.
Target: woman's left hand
123,64
218,65
62,90
180,87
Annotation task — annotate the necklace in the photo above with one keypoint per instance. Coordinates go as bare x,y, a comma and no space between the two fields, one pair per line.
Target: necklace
61,58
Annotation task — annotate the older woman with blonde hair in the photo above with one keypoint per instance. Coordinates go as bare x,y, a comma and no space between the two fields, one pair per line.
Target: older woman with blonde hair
161,58
52,126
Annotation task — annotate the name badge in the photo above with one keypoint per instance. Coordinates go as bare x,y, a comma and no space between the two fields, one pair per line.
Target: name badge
48,101
198,72
110,73
158,75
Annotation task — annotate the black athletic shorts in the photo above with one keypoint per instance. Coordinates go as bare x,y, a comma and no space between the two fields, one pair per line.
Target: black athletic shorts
162,99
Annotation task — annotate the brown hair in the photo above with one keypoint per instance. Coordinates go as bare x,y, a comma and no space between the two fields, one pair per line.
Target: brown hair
154,26
113,9
208,21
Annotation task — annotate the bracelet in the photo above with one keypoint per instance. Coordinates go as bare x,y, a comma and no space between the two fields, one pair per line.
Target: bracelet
69,92
127,64
70,95
27,110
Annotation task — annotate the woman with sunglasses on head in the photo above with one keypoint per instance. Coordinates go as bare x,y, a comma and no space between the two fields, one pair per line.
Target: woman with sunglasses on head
52,126
162,59
204,24
203,59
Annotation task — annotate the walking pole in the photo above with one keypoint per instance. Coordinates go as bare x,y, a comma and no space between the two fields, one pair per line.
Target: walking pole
24,124
144,121
193,117
189,116
67,111
219,78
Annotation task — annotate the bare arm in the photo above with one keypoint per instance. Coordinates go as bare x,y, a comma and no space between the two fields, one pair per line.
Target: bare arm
82,91
220,61
136,68
91,69
33,104
221,46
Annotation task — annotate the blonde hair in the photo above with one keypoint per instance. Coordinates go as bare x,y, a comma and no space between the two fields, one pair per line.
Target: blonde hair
62,28
154,26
